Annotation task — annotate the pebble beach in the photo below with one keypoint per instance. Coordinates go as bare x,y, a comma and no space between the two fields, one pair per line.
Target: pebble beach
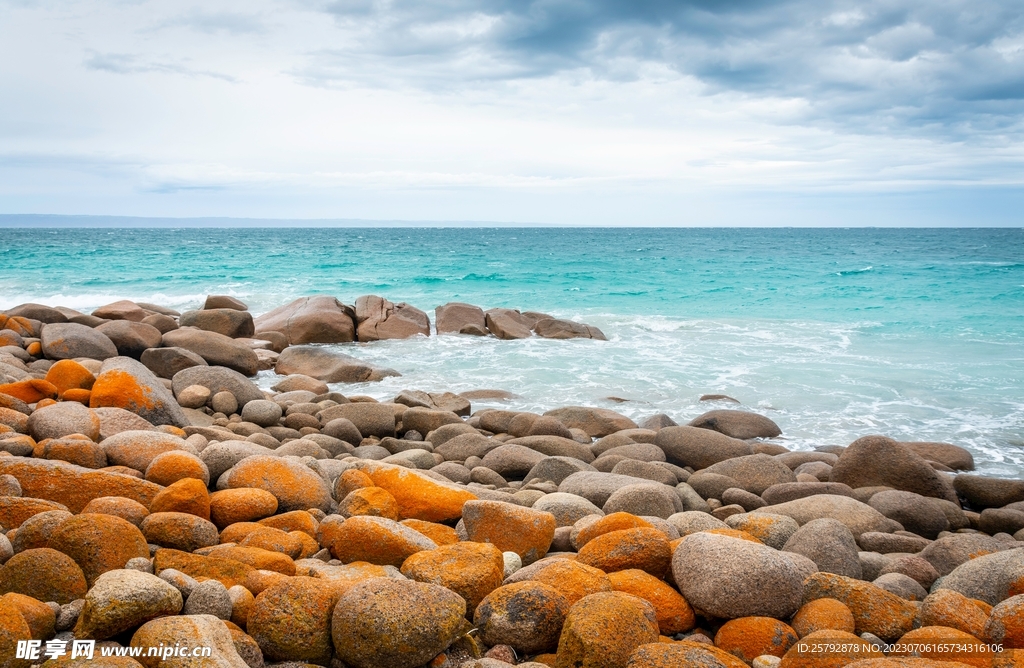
152,492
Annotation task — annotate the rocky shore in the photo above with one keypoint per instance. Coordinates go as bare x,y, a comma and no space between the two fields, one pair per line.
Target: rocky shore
151,493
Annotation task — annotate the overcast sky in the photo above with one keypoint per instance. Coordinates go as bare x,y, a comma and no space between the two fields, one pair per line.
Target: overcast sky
738,112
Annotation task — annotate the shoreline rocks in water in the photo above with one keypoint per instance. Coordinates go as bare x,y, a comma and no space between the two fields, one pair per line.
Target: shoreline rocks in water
151,492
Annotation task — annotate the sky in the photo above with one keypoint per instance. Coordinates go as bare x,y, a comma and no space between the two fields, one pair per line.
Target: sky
558,112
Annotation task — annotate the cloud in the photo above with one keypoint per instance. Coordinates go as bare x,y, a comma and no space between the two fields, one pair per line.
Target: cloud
126,63
214,22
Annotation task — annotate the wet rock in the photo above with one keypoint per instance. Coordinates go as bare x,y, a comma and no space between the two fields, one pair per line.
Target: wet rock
553,328
328,366
737,424
459,318
596,422
317,319
230,322
507,324
378,319
70,340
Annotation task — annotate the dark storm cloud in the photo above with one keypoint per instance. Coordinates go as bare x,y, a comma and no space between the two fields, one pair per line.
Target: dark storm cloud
880,65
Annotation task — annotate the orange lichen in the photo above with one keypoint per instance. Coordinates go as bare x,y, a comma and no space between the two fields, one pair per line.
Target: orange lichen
829,649
675,654
57,481
170,467
527,616
69,375
750,637
81,396
119,389
99,543
184,496
274,540
945,607
439,533
604,629
874,610
180,531
375,540
418,496
296,520
1005,626
39,616
673,613
646,549
241,505
510,528
927,642
16,509
734,533
229,572
30,390
823,614
373,501
350,481
471,570
608,523
78,451
573,579
44,574
291,621
257,558
126,509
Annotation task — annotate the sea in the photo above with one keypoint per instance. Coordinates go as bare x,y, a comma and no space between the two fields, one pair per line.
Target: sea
834,334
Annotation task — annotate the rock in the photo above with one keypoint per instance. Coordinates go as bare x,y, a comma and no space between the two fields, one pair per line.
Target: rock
317,319
69,375
791,491
45,574
14,631
566,508
884,543
1005,624
658,421
604,629
823,614
131,338
728,577
877,460
987,577
597,487
209,597
193,631
471,570
234,323
179,531
128,510
858,517
121,310
425,420
554,469
241,505
197,396
216,349
953,456
674,615
772,530
699,448
874,610
902,585
124,599
70,340
685,653
552,328
218,379
915,512
596,422
512,461
754,473
74,486
1001,520
386,623
166,362
507,324
328,366
459,318
418,496
378,319
291,620
138,449
527,616
62,419
641,548
982,492
40,312
116,420
647,498
831,649
737,424
376,540
127,384
98,543
295,486
949,552
554,446
510,528
829,544
750,637
300,382
224,301
369,418
372,501
442,401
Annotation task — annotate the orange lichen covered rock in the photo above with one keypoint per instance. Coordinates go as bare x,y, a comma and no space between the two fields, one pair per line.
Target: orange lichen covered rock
572,579
138,448
187,631
608,523
291,621
184,496
686,653
44,574
945,607
373,501
935,642
734,533
30,390
13,629
603,630
229,572
78,451
418,497
237,532
72,485
829,649
526,616
673,613
471,570
385,622
241,505
373,539
78,396
874,610
274,540
439,533
16,509
296,486
118,506
646,549
750,637
67,375
296,520
510,528
125,383
99,543
256,557
915,662
39,616
179,531
259,580
823,614
16,323
1005,625
170,467
309,546
350,481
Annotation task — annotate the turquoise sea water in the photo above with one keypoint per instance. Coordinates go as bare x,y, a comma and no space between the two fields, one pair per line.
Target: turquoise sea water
918,334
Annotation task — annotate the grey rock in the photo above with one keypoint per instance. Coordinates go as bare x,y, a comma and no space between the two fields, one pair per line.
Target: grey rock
644,452
329,366
858,517
512,461
886,543
166,362
262,412
556,469
68,340
984,492
301,382
646,470
912,566
459,318
987,577
231,322
595,486
120,600
343,429
691,499
454,472
699,448
183,583
915,512
692,521
68,615
209,597
131,338
224,301
216,349
219,457
711,485
567,508
447,432
795,459
658,421
644,499
949,552
62,419
791,491
743,498
596,422
829,544
218,379
754,473
737,424
426,420
317,319
903,586
555,446
552,328
1001,520
370,419
872,564
952,456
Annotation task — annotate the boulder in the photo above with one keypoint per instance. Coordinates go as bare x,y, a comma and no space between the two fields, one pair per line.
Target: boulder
510,528
125,383
237,324
596,422
728,577
471,570
737,424
442,401
328,366
877,460
527,616
459,318
70,340
294,484
552,328
605,629
829,544
754,473
984,492
40,312
555,469
124,599
508,324
62,419
791,491
224,301
567,508
645,549
875,610
699,448
772,530
74,486
386,623
216,349
317,319
45,574
597,487
188,630
291,620
947,454
646,498
987,577
369,418
512,461
121,310
131,338
916,513
858,517
98,543
217,379
166,362
426,420
378,319
418,496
